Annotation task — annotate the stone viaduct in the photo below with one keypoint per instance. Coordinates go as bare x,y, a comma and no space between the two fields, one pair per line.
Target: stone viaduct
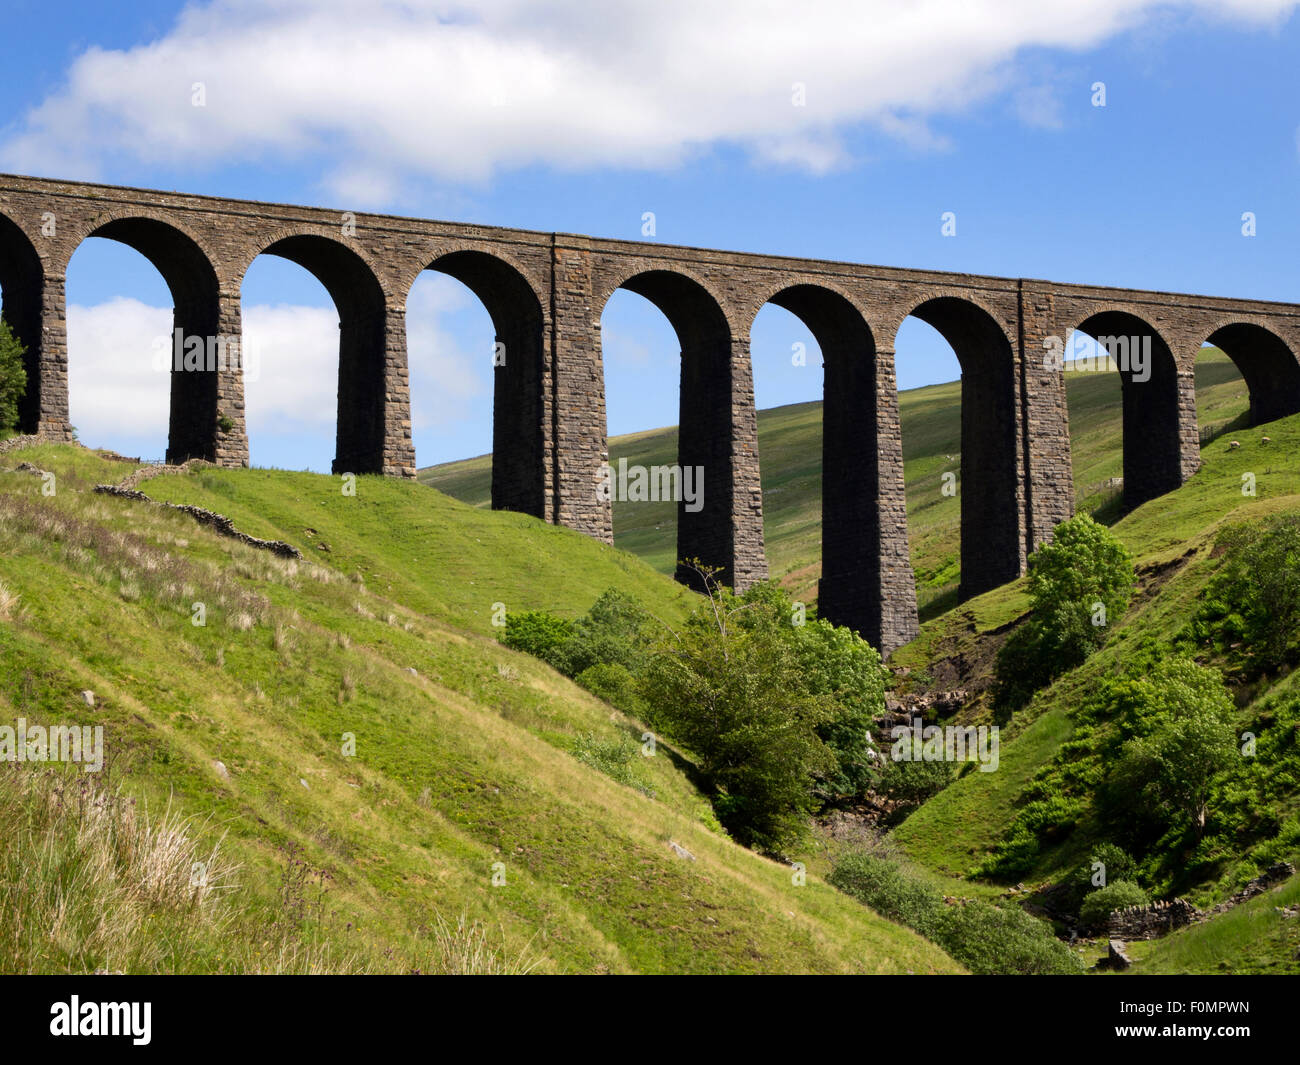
545,293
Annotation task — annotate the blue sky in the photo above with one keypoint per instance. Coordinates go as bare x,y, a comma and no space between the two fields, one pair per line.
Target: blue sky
560,116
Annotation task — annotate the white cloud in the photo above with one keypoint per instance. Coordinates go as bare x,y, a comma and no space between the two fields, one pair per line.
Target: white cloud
115,392
385,92
119,391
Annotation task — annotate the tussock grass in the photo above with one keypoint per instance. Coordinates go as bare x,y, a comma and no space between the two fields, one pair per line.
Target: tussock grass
90,881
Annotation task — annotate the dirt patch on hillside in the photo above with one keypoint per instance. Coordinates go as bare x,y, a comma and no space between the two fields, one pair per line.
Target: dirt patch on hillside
963,659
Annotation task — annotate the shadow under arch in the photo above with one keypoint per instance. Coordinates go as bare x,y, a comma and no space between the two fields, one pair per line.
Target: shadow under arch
518,402
192,281
1149,387
362,371
1268,366
992,544
706,426
22,285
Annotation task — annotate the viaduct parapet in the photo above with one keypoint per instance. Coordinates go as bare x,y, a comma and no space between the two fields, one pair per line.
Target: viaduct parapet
545,293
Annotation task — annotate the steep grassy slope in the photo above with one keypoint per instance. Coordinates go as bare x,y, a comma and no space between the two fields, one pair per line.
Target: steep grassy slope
471,762
1172,539
790,443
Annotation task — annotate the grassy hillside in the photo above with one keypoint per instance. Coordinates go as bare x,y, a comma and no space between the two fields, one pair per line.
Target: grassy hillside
790,442
1172,539
365,754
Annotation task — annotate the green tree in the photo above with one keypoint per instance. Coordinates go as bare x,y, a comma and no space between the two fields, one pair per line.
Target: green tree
1180,720
836,664
1253,602
726,687
1112,864
13,377
1080,584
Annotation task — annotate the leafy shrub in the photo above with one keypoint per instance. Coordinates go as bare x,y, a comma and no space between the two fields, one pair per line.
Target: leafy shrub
1181,720
1116,864
541,634
727,686
1116,895
615,631
1003,940
882,885
985,938
914,780
1079,584
13,377
836,666
614,756
613,683
1253,601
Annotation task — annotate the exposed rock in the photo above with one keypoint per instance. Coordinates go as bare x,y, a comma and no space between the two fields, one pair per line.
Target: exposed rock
221,769
901,709
680,851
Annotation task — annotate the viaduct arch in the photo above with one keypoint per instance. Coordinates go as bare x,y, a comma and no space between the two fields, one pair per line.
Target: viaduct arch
545,292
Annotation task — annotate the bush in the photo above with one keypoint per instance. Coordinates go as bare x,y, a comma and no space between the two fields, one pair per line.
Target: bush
1181,720
615,756
1079,584
1004,940
1254,599
882,885
986,939
540,634
1116,865
613,632
13,377
915,780
836,666
614,684
727,686
1116,895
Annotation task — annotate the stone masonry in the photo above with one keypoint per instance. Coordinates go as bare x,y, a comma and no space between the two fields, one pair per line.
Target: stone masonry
545,293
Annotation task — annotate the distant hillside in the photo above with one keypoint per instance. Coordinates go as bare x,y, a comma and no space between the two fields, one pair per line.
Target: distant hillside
790,442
